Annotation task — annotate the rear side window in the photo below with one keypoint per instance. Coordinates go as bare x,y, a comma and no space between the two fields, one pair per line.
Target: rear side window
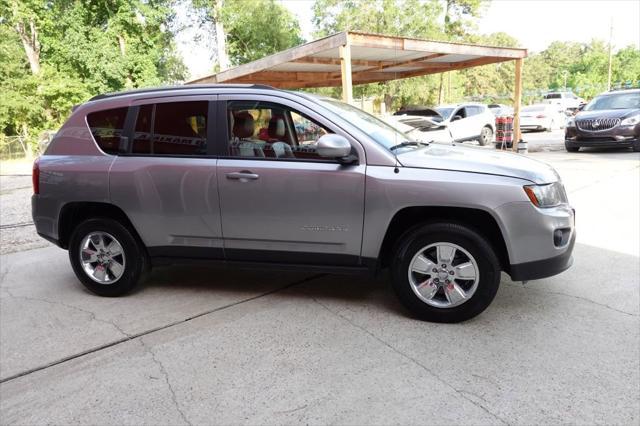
106,127
172,128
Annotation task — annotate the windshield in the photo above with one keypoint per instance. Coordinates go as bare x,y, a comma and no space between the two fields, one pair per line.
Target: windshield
444,112
615,101
378,130
553,96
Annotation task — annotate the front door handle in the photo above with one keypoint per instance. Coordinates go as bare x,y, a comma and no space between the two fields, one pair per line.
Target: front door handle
244,175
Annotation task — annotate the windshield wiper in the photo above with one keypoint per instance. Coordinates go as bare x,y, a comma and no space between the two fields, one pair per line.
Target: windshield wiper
408,143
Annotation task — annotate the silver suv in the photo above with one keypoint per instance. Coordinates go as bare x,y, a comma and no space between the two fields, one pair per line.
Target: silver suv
248,175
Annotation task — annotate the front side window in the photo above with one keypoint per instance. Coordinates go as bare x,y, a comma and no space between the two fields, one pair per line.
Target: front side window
106,127
172,128
266,130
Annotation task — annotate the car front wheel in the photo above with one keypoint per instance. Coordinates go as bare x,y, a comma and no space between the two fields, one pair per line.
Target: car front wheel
106,257
445,272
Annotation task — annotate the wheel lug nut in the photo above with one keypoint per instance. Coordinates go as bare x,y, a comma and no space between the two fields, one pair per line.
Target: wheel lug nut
436,280
450,272
434,270
444,266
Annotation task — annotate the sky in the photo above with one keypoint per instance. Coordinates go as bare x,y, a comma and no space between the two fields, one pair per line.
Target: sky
535,23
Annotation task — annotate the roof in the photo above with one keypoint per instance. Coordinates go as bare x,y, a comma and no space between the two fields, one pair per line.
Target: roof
374,58
148,90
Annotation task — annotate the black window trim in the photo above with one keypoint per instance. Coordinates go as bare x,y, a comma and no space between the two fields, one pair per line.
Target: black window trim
132,117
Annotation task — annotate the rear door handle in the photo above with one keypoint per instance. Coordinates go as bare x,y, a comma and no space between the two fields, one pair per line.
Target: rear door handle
243,175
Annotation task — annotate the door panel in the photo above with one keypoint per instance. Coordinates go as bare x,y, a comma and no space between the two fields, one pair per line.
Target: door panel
304,212
167,183
172,202
280,201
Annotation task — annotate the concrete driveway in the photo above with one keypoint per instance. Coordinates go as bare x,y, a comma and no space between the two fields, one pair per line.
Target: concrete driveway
201,345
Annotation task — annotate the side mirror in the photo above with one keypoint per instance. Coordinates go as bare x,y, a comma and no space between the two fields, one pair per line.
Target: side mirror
456,118
333,146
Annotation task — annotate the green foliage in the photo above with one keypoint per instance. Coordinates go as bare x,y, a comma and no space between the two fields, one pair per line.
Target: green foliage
257,28
83,48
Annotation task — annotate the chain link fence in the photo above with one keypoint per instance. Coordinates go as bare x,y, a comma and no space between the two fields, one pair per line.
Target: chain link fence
18,147
15,147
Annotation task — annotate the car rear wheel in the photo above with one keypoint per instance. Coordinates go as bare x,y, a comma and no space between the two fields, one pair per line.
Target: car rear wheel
106,257
486,136
445,272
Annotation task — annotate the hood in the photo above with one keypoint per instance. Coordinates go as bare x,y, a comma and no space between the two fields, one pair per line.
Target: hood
478,160
607,113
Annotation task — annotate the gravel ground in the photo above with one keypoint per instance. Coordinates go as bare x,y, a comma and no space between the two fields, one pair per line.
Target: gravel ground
16,231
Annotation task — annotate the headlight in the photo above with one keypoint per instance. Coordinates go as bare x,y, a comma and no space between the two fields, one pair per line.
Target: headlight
571,122
631,121
549,195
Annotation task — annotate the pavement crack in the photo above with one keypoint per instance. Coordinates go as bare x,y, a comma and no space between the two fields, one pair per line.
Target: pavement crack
146,332
92,315
165,374
463,394
573,296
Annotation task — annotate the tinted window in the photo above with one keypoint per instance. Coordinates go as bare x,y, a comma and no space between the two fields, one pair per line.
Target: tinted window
173,128
106,127
553,96
267,130
142,135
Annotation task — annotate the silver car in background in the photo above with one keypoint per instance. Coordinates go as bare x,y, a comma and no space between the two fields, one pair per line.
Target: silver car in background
251,176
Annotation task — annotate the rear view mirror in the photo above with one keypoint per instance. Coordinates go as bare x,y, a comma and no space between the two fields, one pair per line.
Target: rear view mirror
333,146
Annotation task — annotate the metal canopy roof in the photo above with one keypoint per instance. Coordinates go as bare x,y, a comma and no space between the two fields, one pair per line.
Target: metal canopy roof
367,58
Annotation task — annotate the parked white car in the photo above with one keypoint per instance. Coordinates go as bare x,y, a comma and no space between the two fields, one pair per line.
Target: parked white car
566,100
500,109
429,126
542,117
469,121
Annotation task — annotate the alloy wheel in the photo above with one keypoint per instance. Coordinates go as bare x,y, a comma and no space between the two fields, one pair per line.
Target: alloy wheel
443,275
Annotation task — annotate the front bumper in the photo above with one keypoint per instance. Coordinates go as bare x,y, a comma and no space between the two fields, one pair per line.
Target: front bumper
600,143
617,137
543,268
539,240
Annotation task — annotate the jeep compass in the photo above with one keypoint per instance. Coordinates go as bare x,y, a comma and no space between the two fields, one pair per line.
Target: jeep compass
250,175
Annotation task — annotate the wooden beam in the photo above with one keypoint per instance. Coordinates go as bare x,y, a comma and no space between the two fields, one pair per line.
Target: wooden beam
345,70
517,100
390,42
288,55
336,61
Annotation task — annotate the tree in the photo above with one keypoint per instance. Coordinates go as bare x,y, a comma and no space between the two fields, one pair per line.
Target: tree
409,18
57,54
253,28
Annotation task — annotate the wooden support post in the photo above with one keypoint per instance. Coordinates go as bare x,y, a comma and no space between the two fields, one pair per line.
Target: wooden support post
517,100
345,71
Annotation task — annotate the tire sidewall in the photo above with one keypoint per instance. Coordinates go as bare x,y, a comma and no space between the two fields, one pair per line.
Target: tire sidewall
134,258
483,254
481,140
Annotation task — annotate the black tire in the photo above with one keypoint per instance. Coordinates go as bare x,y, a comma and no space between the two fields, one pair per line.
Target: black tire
136,259
486,136
636,146
488,265
571,148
